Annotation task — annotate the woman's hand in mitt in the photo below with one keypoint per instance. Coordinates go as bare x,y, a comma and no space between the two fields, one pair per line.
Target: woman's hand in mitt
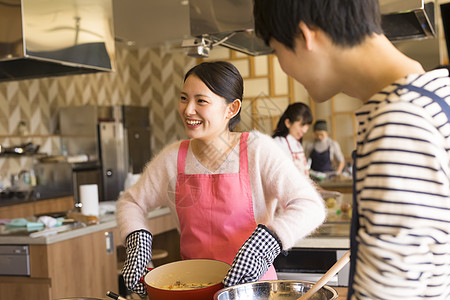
254,257
139,254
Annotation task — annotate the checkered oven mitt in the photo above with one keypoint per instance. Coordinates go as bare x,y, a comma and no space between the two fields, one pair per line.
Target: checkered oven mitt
254,257
139,254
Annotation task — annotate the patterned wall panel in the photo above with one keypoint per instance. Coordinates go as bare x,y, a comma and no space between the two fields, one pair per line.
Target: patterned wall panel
181,65
145,77
4,110
167,68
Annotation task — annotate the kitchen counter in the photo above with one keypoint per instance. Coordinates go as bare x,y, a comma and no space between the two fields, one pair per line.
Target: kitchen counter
342,292
80,262
311,257
324,242
106,222
342,185
334,233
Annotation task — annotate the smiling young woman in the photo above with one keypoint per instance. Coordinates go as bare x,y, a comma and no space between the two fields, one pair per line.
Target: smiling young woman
207,116
221,186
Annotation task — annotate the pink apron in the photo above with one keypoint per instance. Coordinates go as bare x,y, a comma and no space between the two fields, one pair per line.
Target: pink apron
215,210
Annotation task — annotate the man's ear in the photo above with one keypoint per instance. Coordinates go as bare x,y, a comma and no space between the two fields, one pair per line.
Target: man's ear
308,35
233,108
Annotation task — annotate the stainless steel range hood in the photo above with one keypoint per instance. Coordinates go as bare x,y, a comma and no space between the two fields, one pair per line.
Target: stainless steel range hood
44,38
410,25
407,19
227,23
230,24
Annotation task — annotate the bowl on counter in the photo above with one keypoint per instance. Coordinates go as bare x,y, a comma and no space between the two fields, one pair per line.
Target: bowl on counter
274,289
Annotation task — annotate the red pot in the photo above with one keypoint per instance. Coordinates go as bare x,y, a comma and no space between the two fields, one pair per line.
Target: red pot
192,271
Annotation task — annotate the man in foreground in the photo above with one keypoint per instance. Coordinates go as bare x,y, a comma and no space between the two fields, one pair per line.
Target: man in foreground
400,240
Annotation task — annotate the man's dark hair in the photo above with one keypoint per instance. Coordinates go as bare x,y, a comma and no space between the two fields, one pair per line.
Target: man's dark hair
347,22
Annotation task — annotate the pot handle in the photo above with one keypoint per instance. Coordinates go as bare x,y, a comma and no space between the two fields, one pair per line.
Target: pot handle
142,278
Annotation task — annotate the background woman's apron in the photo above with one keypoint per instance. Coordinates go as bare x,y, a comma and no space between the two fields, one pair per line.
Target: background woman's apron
299,159
215,210
320,161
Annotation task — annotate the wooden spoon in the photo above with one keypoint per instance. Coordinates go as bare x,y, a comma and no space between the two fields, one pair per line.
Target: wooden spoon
328,275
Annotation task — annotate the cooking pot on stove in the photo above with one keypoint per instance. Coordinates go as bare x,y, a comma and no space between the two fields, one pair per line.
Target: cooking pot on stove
274,289
187,272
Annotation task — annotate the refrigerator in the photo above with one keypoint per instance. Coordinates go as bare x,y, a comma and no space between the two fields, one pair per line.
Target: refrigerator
104,144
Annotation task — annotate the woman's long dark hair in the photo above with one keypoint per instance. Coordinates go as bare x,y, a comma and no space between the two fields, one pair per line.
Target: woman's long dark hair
224,80
294,112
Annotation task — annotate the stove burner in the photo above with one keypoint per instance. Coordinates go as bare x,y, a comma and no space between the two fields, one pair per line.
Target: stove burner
9,194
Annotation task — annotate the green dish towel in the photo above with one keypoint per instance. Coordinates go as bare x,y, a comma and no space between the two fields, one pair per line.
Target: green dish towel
21,222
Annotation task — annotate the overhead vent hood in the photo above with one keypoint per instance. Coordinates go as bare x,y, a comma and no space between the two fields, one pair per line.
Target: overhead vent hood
407,19
230,23
41,38
227,23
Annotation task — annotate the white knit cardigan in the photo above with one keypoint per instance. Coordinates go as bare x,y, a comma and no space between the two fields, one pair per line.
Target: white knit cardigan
275,182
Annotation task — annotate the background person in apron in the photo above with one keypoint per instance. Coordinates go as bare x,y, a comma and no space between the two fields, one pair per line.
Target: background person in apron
324,152
400,234
293,124
222,188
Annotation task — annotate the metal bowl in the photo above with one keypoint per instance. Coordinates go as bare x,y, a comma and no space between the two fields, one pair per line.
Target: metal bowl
274,289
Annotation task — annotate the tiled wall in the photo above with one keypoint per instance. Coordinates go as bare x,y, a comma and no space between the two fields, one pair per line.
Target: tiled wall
148,77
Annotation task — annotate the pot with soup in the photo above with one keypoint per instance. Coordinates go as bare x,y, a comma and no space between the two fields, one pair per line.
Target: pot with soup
193,279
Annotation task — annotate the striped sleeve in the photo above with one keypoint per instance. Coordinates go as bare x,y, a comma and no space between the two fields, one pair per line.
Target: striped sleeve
403,195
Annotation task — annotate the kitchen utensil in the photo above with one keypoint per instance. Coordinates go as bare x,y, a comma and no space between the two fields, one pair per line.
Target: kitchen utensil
274,289
50,231
79,217
115,296
192,271
324,279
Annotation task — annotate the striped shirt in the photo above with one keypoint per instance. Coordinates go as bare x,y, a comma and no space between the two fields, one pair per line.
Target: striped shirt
403,193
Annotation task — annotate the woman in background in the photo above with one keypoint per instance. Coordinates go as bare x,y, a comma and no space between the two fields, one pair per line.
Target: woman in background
293,124
221,186
324,152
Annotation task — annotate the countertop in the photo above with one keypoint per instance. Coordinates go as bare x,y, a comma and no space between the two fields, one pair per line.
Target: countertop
334,233
106,222
342,182
324,242
342,292
342,185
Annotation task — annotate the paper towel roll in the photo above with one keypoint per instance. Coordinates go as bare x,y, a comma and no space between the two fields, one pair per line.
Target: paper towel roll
89,199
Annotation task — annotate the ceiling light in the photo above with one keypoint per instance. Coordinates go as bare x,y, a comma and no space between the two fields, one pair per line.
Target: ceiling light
197,47
200,46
